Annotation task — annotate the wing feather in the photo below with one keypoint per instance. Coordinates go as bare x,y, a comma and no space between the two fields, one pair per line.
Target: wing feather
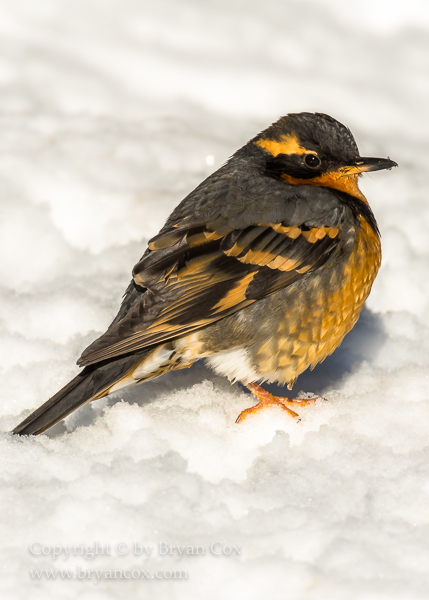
193,276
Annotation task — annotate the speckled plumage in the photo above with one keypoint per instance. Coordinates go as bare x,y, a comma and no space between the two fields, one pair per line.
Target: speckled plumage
262,270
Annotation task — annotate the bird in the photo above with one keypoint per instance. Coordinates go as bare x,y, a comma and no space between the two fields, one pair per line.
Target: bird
261,271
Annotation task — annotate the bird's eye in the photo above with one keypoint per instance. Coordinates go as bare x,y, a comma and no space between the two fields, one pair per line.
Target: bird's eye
311,160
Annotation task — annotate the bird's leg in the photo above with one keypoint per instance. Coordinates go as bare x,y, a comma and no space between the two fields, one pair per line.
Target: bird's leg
267,399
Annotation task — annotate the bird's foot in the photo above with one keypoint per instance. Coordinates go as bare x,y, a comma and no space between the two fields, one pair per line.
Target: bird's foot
266,399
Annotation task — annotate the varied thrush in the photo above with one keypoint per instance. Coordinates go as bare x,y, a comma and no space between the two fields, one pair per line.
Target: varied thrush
261,271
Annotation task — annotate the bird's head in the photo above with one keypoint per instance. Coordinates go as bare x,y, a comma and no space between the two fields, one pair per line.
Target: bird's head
315,149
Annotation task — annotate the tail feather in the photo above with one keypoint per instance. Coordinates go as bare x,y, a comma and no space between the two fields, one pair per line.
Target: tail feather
93,382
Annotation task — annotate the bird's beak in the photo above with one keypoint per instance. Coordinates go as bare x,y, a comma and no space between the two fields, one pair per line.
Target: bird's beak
365,164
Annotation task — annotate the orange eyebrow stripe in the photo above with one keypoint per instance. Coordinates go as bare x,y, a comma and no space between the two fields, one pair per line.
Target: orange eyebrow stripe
288,144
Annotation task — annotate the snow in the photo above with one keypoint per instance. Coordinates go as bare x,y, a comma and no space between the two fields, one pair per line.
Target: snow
110,112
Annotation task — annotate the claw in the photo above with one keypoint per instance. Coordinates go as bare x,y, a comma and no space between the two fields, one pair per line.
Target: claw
267,399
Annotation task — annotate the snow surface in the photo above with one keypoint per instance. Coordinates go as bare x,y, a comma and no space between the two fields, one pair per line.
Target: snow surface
110,112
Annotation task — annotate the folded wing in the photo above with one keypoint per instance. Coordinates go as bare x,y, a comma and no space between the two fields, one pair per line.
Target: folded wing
193,276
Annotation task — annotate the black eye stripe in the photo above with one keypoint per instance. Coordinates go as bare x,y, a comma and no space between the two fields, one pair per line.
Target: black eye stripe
295,165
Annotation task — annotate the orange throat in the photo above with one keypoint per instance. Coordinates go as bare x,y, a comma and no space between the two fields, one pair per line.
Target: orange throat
337,180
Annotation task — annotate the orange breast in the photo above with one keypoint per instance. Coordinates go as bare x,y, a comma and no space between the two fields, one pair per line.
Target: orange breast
322,312
346,300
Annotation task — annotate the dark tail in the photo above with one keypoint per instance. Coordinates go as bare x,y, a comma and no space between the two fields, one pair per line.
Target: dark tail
93,382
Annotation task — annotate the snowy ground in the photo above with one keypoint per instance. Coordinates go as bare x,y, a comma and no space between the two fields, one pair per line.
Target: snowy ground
110,112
